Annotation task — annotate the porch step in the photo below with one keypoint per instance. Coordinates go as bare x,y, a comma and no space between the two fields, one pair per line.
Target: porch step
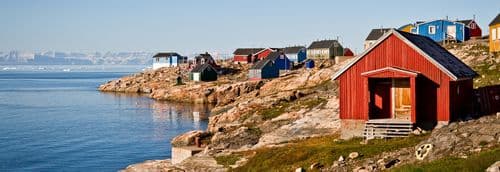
387,129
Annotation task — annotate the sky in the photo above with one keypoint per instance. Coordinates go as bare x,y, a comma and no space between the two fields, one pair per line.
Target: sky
189,26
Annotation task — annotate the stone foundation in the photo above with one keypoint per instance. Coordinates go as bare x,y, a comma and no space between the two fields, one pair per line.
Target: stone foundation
179,154
351,128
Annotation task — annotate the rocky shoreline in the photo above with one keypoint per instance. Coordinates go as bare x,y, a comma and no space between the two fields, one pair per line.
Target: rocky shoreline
301,104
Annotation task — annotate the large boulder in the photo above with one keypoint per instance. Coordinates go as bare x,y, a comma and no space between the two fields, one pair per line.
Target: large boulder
188,139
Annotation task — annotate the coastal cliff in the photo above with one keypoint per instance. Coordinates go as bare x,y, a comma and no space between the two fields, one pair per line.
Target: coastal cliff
299,108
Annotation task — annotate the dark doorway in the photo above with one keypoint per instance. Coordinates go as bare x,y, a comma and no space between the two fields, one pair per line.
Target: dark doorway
427,104
380,98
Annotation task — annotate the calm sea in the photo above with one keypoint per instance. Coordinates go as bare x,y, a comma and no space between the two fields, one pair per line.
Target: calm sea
53,119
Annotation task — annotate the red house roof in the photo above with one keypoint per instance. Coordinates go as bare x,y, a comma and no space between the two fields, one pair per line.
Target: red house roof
433,52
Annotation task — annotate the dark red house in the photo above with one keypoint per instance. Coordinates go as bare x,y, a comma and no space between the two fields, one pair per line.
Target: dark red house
348,52
250,55
474,29
404,78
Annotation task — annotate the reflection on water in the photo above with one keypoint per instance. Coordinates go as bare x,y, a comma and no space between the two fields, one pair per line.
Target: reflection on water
57,121
172,113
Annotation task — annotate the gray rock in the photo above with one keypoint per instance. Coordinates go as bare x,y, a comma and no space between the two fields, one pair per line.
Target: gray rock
341,158
495,167
316,165
353,155
423,150
300,170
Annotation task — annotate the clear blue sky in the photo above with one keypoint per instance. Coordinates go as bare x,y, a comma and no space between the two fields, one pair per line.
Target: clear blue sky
190,26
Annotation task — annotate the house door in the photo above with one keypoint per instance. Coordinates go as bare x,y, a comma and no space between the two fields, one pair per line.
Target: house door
451,32
196,76
380,99
401,99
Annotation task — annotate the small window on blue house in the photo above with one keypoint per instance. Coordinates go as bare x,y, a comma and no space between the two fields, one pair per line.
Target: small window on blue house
432,29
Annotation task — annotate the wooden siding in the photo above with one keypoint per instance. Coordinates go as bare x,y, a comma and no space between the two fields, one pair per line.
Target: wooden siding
441,27
393,52
474,30
241,58
494,44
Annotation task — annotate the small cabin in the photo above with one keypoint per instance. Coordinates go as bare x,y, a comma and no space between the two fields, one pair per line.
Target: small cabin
205,58
324,49
269,67
203,72
169,59
295,54
373,36
403,80
473,27
309,64
250,55
494,38
407,28
443,30
348,52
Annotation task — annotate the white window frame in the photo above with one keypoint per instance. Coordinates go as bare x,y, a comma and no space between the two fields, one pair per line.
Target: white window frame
432,29
493,34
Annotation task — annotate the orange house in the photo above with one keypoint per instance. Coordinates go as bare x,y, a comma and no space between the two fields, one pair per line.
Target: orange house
495,34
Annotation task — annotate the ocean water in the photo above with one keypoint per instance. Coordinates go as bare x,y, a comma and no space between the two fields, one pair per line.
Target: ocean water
53,119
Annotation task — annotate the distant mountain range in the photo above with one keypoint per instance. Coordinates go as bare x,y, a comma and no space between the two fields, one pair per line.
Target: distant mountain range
75,58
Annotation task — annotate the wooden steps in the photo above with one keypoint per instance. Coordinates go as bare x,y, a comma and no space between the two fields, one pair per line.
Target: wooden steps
387,128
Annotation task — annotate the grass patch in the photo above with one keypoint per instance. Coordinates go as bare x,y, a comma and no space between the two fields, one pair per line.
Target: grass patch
282,107
254,131
490,76
477,162
227,160
310,103
272,112
324,150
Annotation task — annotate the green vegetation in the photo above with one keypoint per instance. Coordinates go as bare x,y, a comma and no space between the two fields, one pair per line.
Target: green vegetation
227,160
274,111
487,75
254,131
478,162
324,150
282,107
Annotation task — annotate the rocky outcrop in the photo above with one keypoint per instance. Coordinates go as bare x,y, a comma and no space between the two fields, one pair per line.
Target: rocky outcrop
495,167
146,82
199,162
189,138
207,92
459,139
321,120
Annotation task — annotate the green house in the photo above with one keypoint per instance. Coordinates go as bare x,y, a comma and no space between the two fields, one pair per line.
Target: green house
203,72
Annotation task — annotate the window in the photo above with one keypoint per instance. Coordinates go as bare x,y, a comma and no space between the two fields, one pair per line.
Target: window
493,34
432,29
498,33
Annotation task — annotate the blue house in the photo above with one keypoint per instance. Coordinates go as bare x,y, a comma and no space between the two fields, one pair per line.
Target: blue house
442,30
270,66
169,59
295,54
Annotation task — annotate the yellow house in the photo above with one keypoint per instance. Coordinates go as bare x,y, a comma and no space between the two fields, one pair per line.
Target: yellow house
495,34
407,28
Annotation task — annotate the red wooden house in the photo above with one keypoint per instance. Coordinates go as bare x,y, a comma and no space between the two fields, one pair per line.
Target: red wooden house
250,55
474,29
348,52
404,79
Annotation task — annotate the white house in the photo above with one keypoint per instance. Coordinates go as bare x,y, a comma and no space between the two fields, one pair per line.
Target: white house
169,59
